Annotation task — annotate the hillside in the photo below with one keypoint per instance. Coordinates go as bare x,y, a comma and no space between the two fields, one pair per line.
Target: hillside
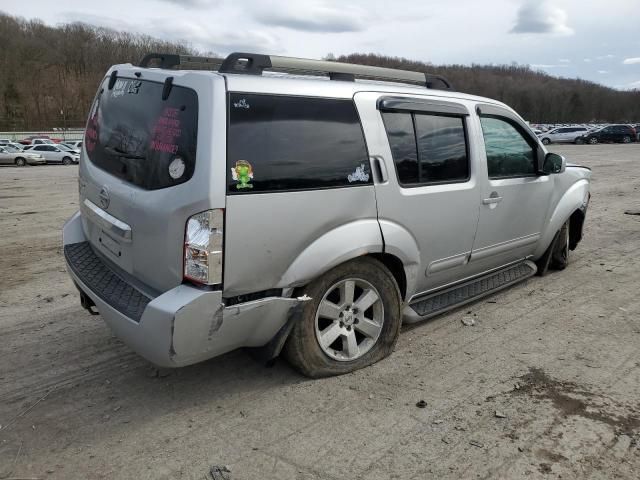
48,77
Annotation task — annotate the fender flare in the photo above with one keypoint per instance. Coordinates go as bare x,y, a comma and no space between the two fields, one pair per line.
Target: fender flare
575,198
332,248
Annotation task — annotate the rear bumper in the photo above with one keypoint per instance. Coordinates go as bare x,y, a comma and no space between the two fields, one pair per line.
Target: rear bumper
182,326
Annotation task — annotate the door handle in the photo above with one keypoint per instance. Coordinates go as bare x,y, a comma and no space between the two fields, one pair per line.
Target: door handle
493,198
379,168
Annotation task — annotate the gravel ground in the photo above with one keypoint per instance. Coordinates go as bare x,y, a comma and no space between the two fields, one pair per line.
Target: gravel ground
545,385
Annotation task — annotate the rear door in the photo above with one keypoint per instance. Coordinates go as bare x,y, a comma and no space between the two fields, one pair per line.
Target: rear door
515,199
297,169
47,151
430,185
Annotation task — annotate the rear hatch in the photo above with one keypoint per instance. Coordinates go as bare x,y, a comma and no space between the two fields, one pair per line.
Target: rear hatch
153,142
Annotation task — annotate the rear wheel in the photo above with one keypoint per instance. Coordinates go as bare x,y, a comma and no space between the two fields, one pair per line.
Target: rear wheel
20,162
626,139
593,141
352,321
546,141
67,161
579,141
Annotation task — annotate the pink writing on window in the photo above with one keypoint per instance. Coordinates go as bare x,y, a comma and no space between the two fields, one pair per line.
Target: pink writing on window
166,131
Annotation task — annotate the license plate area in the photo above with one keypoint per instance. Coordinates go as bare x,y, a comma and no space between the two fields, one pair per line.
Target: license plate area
109,244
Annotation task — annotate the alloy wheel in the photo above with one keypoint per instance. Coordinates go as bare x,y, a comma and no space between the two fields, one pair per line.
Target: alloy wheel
349,319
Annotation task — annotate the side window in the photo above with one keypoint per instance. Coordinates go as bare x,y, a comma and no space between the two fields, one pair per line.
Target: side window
427,148
402,140
442,149
293,143
39,148
509,154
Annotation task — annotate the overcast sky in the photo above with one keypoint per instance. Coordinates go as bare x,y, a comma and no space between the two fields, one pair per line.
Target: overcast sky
598,41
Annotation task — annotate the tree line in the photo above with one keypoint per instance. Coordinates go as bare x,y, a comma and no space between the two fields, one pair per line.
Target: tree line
49,75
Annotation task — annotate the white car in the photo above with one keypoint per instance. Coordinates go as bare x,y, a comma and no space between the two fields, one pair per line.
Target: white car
56,154
563,135
68,148
14,156
75,144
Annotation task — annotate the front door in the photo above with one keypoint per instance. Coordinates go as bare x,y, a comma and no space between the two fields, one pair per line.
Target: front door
430,187
515,198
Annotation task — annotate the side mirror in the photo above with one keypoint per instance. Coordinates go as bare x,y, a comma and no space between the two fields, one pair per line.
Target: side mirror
553,163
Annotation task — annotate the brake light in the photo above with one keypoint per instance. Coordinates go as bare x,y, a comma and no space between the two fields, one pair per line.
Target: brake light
203,247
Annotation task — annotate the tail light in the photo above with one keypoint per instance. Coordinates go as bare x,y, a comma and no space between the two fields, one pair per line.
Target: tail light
203,247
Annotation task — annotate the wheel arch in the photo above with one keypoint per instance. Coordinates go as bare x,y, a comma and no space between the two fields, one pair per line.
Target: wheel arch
571,206
333,248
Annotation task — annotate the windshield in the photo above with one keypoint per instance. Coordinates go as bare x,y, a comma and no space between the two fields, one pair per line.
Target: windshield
136,135
11,149
64,147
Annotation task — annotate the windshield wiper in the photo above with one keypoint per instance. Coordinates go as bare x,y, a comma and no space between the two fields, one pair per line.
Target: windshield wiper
123,154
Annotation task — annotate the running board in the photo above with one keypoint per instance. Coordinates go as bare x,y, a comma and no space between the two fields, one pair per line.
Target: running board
458,295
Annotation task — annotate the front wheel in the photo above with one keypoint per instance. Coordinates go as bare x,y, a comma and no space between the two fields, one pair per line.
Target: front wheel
626,139
560,253
352,320
546,141
20,162
579,141
593,141
67,161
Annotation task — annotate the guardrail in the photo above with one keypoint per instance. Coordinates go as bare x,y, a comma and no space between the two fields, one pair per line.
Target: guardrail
68,135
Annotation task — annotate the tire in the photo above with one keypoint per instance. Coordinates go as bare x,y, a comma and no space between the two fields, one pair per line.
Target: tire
593,141
546,141
67,161
348,346
626,139
21,162
579,141
560,252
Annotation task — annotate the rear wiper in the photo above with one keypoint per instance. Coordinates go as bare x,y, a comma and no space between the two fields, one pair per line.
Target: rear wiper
122,154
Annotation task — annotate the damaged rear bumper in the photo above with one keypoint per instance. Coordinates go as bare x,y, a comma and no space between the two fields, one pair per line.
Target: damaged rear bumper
182,326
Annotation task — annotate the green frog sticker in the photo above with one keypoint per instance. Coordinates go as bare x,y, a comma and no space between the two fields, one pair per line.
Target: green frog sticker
243,174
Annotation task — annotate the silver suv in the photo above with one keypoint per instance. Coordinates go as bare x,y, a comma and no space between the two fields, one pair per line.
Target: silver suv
311,211
564,135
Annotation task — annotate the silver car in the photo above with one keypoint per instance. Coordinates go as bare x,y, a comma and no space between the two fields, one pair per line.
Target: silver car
310,213
564,135
13,156
55,153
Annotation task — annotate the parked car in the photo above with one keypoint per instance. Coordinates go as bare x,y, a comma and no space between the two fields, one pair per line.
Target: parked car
611,134
564,135
238,208
75,144
13,156
39,139
67,148
9,143
55,154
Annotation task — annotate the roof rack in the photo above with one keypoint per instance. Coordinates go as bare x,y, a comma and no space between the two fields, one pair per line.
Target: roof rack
255,64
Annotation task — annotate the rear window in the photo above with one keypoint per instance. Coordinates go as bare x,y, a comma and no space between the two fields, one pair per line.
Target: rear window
279,143
135,135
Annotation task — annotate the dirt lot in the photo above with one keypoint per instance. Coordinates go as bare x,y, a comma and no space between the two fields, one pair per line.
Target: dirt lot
556,356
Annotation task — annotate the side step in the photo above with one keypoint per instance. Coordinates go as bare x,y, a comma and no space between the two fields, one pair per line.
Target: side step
444,300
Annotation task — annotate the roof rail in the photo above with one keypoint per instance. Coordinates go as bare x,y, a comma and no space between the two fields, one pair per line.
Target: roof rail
255,64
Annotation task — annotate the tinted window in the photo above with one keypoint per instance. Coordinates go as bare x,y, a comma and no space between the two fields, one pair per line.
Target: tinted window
135,135
290,143
508,152
402,141
441,154
442,149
